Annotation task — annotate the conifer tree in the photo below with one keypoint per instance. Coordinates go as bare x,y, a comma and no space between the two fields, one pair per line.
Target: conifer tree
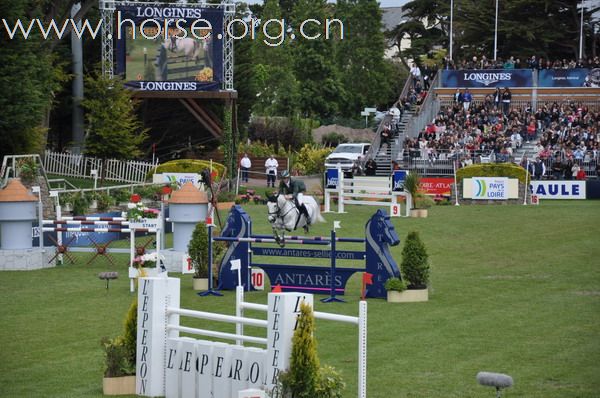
303,375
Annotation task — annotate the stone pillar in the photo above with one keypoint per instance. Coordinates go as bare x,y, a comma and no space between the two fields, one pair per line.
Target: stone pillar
18,210
187,207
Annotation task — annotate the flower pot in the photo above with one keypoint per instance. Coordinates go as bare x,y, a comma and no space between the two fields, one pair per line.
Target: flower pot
93,204
67,207
422,213
124,385
408,296
200,283
415,213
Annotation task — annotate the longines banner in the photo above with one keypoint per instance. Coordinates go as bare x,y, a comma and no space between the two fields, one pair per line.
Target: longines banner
569,78
487,78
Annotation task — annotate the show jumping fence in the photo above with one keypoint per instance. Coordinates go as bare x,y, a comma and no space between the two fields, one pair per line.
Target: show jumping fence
370,191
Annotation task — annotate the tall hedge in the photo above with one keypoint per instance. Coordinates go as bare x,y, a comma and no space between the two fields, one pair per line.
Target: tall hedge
189,166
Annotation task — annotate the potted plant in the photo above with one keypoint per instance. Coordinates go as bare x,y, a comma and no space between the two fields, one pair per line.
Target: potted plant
66,201
394,287
411,185
146,264
27,169
120,358
198,252
422,202
104,202
415,267
80,204
92,198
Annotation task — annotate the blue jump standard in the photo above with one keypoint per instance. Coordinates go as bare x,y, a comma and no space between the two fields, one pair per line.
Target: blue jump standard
376,257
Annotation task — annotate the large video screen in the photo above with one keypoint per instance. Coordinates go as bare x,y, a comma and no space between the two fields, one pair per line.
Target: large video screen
169,48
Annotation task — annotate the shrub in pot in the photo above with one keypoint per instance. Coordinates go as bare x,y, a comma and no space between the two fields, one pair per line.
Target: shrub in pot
80,204
411,185
198,252
415,265
120,358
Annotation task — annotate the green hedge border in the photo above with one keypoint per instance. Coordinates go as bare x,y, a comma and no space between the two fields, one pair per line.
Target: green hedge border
509,170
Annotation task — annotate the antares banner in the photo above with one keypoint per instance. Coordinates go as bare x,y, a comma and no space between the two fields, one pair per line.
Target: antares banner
169,48
569,78
487,78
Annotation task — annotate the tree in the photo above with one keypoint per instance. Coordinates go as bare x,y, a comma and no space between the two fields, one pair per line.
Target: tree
367,78
523,28
302,378
113,129
28,79
321,90
275,86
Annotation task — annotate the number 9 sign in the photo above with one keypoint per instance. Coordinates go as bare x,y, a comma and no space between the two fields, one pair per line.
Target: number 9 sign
395,210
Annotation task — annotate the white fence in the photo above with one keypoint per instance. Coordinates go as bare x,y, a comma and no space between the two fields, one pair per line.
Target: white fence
71,165
370,191
176,366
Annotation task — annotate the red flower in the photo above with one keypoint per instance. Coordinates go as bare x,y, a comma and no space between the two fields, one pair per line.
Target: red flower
135,198
166,190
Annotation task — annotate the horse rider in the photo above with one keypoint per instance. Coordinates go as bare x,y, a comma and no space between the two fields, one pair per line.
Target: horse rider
294,189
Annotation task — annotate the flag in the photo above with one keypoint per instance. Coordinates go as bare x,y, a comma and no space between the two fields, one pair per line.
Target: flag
276,289
208,220
367,279
337,224
235,265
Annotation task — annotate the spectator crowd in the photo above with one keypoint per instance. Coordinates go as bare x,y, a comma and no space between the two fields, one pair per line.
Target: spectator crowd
534,62
565,135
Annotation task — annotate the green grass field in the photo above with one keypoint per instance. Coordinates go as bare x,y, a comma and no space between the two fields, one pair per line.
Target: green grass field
514,289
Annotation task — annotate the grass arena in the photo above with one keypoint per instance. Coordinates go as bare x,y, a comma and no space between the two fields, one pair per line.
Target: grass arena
513,289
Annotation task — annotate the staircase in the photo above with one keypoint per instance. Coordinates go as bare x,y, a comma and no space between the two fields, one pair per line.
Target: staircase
388,153
527,149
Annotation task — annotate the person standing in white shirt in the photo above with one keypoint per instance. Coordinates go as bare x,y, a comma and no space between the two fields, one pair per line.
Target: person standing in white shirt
271,169
245,165
415,72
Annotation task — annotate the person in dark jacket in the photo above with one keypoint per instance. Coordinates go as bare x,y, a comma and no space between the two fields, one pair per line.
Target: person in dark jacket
370,167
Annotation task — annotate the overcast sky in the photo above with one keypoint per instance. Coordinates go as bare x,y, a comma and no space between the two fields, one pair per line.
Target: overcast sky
384,3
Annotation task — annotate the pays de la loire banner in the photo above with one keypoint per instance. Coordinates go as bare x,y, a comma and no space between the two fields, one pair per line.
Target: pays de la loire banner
490,188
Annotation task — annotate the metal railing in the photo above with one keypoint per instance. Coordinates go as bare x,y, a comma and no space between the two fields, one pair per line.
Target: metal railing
426,111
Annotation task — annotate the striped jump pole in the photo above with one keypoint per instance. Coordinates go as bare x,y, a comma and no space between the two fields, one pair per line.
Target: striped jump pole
84,222
313,238
271,240
99,229
85,218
